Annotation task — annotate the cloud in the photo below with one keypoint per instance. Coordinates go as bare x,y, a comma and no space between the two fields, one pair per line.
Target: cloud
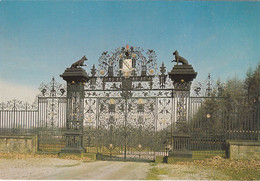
10,91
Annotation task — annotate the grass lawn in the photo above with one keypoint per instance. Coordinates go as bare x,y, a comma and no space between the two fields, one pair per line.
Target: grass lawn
216,168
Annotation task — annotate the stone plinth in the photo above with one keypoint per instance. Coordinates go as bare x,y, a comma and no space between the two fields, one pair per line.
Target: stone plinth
243,150
180,148
18,143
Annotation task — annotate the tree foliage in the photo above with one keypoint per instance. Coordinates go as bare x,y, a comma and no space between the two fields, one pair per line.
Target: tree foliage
232,107
252,86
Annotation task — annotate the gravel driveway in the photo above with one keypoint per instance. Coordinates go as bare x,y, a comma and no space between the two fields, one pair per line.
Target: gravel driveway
42,167
61,169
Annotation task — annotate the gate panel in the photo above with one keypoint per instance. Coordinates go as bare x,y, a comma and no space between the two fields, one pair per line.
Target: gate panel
141,127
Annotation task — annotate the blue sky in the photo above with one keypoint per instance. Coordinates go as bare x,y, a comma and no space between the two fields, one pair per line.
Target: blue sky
39,39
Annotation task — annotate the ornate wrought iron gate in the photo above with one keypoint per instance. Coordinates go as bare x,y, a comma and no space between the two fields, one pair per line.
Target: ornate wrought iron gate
124,99
131,111
124,128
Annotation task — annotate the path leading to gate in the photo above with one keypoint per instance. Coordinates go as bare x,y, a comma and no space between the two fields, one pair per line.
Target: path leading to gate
61,169
103,170
50,167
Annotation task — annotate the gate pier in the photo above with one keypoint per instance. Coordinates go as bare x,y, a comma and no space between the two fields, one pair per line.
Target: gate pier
182,77
76,78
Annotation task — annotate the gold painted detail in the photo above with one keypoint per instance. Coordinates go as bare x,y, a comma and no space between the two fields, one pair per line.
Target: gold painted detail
111,101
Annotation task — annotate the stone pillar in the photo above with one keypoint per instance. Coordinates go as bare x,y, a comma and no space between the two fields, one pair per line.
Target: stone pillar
182,77
75,78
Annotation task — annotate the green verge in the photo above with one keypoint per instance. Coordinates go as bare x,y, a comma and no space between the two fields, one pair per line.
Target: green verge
243,174
234,169
154,173
198,155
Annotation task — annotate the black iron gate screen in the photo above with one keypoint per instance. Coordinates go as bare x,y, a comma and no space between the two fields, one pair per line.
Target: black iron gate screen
128,106
123,127
132,110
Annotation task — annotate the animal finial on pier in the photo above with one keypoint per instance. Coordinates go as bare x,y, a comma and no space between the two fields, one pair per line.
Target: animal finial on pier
178,59
79,62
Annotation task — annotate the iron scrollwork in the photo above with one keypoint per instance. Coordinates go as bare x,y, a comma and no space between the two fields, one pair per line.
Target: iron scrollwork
111,64
52,89
121,104
16,105
52,95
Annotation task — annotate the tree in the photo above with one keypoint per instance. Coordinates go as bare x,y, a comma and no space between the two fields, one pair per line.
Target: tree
234,109
252,85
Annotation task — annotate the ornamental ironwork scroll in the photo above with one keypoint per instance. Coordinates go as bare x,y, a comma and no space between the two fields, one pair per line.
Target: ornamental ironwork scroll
52,103
126,102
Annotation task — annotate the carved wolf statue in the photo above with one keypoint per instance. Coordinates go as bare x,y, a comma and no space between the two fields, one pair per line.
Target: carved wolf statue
179,59
79,62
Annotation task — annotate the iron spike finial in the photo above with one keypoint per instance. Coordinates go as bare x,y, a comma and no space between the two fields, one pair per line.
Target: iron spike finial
162,69
93,71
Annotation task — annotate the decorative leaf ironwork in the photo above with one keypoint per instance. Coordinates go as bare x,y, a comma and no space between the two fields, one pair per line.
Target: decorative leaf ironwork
52,89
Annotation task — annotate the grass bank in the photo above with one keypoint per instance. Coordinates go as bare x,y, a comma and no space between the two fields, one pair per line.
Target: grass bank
216,168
